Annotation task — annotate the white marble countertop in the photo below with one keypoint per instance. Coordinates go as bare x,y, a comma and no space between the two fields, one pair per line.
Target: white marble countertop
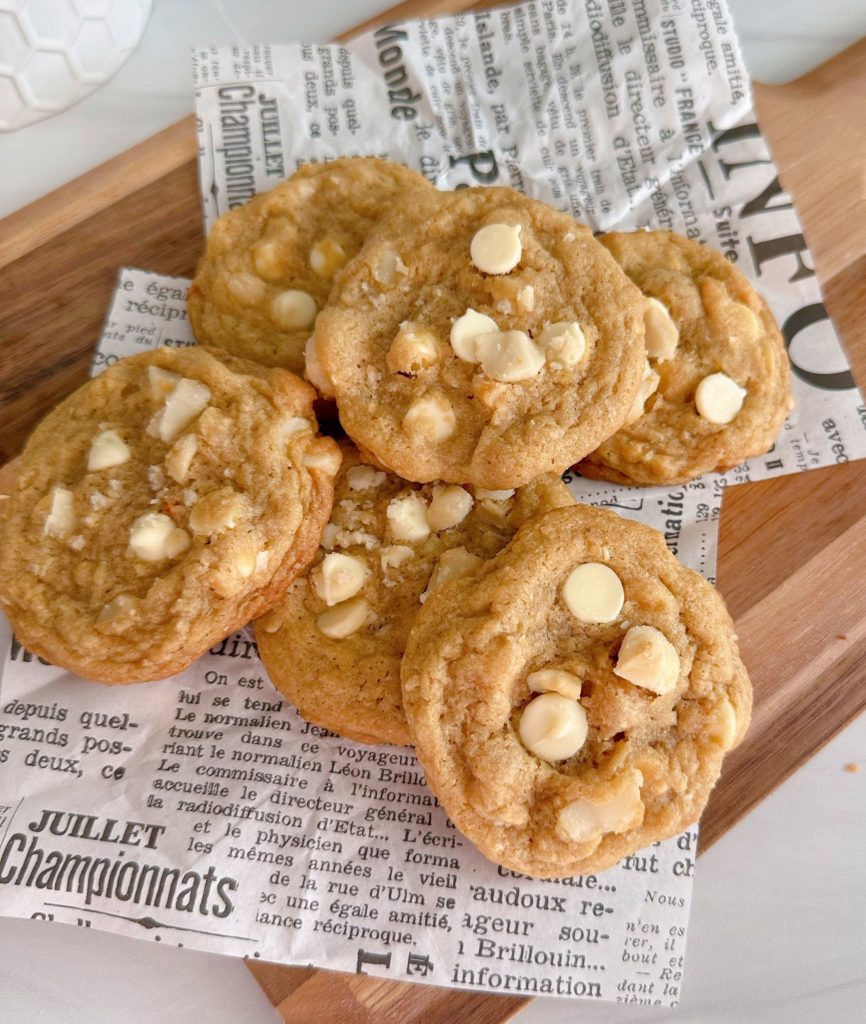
778,925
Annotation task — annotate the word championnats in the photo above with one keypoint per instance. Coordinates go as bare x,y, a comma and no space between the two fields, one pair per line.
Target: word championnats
24,860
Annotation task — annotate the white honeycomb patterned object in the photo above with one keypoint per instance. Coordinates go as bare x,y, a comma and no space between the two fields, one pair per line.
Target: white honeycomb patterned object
53,53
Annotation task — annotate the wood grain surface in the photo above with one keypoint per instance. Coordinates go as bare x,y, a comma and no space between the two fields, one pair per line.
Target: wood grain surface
792,550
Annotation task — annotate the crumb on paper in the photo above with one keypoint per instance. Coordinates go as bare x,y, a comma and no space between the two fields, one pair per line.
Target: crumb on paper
852,767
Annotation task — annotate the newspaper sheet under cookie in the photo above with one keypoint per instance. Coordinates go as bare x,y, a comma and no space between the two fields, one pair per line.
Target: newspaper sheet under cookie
203,811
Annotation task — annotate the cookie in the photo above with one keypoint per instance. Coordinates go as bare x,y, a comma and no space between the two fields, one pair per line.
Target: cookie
717,384
269,265
507,343
572,699
160,507
333,644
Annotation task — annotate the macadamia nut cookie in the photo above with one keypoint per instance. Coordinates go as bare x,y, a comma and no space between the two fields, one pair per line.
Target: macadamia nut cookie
572,699
333,644
716,386
481,337
269,265
160,507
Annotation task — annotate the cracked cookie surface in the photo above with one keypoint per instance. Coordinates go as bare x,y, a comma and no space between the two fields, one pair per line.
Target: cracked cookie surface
502,342
717,385
333,644
159,508
572,699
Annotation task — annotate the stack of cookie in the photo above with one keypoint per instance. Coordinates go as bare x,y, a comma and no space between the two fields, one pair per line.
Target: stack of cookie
570,688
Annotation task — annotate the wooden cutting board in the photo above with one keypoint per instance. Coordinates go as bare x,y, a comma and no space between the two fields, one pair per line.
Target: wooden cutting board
792,554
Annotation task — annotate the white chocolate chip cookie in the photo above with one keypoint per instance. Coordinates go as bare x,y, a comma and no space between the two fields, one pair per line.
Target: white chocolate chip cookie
333,644
572,698
159,508
270,265
716,386
510,345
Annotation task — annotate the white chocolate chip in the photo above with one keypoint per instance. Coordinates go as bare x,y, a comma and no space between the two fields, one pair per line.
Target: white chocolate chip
326,257
268,261
329,536
593,593
61,519
338,578
554,680
161,382
123,604
412,350
509,356
648,659
408,517
526,298
343,619
294,310
648,386
216,512
107,449
388,266
245,563
248,289
496,248
482,494
431,415
365,478
718,398
394,556
290,427
662,335
187,400
324,456
352,538
466,329
553,727
225,581
585,821
449,506
313,370
723,725
154,537
452,564
563,344
180,457
262,559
